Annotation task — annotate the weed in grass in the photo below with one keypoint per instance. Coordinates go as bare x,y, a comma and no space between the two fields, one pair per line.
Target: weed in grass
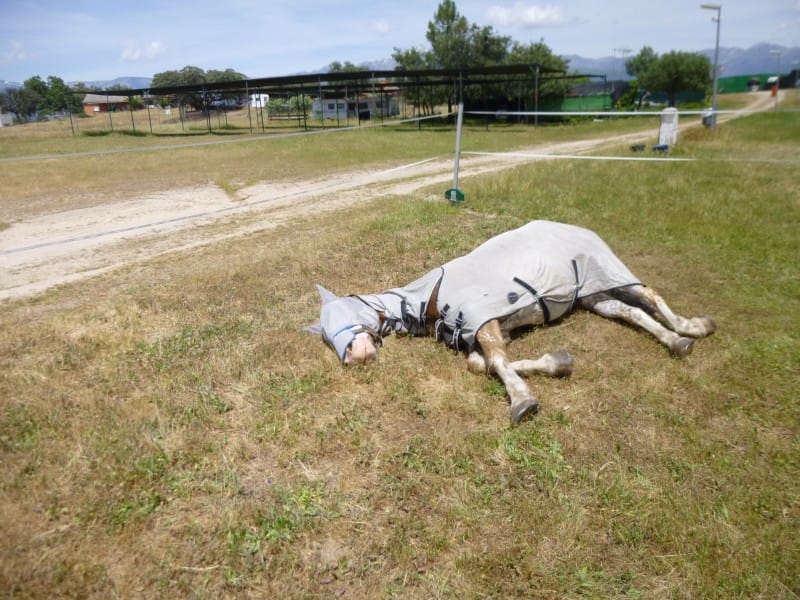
592,582
21,428
189,344
207,404
288,512
534,455
280,390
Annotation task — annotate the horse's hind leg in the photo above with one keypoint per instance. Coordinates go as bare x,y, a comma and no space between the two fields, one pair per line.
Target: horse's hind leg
652,302
613,308
554,364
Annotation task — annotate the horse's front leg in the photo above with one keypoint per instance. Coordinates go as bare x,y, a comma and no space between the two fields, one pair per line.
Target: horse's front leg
523,402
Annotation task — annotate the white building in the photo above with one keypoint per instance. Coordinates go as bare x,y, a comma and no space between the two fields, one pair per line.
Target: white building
367,107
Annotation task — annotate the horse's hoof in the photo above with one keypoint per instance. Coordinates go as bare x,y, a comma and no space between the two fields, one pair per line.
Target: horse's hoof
682,347
563,363
709,324
523,409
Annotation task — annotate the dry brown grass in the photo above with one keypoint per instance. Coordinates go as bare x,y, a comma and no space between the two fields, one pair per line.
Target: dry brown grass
169,429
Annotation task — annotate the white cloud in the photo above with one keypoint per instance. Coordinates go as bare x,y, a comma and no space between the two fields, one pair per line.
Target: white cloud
381,27
134,52
14,54
526,16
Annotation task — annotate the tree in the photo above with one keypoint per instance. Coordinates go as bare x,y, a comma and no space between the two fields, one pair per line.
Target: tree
190,75
225,99
36,85
676,72
173,79
415,59
487,47
39,98
456,43
448,35
300,103
20,101
637,65
215,76
347,67
628,100
539,53
59,97
411,59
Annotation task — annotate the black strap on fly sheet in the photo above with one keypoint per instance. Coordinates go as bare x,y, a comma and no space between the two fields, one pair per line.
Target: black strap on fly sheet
450,336
577,285
415,324
539,299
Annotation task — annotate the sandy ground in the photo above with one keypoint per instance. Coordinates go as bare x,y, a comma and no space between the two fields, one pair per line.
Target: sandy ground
51,249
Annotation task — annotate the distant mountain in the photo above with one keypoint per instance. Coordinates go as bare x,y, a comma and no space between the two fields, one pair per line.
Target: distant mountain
384,64
134,83
756,60
6,85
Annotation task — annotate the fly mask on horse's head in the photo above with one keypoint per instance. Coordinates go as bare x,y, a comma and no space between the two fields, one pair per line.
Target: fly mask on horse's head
349,326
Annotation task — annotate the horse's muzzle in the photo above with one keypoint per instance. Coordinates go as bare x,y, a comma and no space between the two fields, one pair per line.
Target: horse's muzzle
361,351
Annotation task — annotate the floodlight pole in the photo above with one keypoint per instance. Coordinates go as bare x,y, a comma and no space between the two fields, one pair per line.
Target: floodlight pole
718,8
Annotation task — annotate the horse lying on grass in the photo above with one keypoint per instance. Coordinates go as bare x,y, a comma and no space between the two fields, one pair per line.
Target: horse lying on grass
528,276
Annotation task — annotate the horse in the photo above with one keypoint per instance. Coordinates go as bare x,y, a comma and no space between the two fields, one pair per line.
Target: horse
533,275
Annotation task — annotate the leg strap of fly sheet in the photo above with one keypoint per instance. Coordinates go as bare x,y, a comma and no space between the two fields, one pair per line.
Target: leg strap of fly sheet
539,299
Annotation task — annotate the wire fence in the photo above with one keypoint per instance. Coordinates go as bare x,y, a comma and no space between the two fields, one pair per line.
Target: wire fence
155,119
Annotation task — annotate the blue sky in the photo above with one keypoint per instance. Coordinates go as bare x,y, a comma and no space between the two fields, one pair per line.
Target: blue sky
79,40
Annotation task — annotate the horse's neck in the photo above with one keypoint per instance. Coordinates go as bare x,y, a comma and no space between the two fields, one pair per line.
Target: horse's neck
412,306
388,305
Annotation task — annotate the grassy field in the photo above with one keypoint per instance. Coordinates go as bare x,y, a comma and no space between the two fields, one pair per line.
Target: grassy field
89,171
169,430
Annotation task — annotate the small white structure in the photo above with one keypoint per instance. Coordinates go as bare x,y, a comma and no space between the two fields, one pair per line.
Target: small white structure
363,107
6,119
259,100
668,131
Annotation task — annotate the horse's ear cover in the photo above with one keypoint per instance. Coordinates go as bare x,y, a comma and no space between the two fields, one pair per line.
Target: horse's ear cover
325,296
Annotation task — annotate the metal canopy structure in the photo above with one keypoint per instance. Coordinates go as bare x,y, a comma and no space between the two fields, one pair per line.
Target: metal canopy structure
360,95
368,79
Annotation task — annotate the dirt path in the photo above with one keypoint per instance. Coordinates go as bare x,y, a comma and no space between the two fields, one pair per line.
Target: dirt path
48,250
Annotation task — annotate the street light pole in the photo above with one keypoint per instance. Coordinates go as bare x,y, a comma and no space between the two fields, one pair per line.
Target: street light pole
718,8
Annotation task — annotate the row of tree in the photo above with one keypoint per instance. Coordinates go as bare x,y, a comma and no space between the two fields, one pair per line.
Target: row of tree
39,97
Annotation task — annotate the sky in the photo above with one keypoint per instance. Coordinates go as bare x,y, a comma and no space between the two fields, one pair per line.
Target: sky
79,40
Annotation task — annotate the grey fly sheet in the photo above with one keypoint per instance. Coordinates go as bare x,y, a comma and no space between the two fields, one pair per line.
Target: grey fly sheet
542,266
